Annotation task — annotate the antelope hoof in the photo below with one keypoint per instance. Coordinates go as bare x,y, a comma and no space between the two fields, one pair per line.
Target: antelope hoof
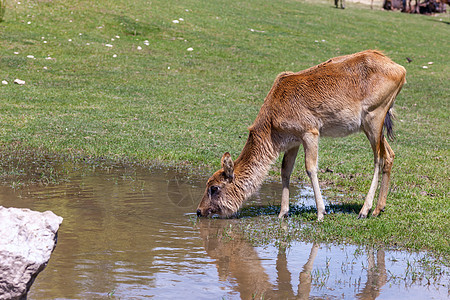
377,212
283,214
320,216
362,216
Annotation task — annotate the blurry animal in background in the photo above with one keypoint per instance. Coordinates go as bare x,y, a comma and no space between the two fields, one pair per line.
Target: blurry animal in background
336,2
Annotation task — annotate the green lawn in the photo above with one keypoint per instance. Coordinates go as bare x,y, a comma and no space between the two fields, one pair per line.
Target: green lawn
120,79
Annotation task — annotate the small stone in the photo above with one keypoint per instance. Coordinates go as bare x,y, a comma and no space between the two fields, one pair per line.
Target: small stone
190,49
4,82
18,81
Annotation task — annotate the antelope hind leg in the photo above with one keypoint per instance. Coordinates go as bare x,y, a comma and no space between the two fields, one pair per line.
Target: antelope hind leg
388,160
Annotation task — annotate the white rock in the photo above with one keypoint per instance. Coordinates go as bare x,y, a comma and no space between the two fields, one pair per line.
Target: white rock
27,241
190,49
18,81
30,56
139,47
175,21
108,45
4,82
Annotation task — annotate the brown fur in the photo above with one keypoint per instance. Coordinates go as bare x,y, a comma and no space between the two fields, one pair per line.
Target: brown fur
344,95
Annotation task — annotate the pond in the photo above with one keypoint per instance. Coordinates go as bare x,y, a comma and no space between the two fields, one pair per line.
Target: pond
133,234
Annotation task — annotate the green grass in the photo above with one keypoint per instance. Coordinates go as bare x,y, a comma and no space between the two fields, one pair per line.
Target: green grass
165,104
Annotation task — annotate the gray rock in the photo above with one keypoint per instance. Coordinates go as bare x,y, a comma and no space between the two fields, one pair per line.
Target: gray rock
27,239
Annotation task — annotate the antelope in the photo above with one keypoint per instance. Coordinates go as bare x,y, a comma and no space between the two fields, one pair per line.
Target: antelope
336,3
343,95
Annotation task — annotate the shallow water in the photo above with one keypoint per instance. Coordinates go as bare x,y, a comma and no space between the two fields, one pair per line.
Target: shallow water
133,234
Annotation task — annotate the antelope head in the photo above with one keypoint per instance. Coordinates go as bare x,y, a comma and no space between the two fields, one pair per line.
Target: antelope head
220,197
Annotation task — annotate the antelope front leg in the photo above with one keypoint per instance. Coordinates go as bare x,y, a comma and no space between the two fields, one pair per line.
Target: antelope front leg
286,170
373,188
311,145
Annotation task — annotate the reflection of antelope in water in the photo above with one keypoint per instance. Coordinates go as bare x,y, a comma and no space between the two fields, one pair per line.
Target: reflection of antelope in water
237,259
238,262
376,276
344,95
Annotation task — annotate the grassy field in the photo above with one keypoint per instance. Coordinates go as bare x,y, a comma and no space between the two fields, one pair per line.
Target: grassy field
178,83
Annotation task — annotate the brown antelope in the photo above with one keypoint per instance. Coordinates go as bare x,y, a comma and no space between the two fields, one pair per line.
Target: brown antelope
344,95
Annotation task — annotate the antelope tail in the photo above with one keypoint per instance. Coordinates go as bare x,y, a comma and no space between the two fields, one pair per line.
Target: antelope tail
389,124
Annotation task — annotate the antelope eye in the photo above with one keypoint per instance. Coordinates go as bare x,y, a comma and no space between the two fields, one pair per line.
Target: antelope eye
213,190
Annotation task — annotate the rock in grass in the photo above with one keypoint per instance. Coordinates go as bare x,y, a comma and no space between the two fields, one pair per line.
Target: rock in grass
27,239
20,82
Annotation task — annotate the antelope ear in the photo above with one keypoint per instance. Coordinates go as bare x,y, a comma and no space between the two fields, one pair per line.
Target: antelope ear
228,166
